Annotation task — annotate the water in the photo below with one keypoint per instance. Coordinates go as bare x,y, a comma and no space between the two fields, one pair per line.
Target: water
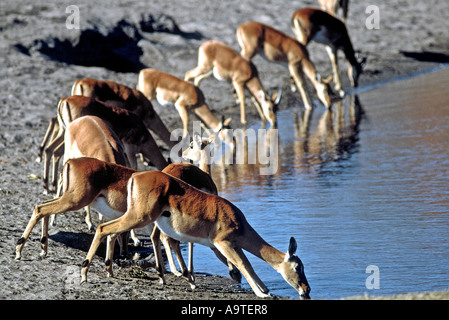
366,184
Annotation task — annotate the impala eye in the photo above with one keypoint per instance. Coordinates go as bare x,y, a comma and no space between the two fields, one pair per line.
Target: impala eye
299,268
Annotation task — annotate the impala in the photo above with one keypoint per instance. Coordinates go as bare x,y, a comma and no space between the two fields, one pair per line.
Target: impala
226,64
127,98
188,214
332,7
314,24
199,177
85,182
254,37
91,136
199,152
170,90
128,126
86,136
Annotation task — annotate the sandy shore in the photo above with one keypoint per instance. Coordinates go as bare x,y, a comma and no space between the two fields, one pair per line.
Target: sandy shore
163,35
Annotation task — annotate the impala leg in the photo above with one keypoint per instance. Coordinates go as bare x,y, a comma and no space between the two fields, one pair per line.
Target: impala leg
133,236
191,260
110,244
168,253
58,152
201,77
298,77
239,89
260,111
203,69
113,228
321,86
160,269
333,56
44,236
53,206
197,74
51,132
58,194
186,273
238,258
184,118
99,236
248,47
123,241
233,271
48,154
88,218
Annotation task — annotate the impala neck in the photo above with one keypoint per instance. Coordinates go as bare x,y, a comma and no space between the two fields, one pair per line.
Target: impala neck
205,162
254,86
205,115
263,250
350,53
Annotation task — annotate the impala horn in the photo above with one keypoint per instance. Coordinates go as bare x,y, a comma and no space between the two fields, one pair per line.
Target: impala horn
279,96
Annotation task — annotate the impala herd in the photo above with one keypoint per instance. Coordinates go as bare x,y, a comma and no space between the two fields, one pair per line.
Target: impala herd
101,127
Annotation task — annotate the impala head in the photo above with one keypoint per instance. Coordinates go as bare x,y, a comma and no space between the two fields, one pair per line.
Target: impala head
197,148
270,105
355,70
292,270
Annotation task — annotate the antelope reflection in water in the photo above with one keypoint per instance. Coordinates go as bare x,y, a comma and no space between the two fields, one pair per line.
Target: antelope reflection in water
332,138
255,160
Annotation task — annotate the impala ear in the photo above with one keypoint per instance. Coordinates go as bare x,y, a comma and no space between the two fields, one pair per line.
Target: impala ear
197,140
226,122
327,80
292,247
212,137
277,96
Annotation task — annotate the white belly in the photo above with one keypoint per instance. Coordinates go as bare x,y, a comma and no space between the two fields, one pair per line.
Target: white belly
102,207
165,227
161,101
217,75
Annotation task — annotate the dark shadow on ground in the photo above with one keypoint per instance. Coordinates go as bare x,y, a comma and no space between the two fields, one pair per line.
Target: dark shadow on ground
427,56
115,49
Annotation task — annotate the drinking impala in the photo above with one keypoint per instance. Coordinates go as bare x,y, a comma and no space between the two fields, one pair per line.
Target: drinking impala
127,98
188,214
254,37
185,97
311,24
226,64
